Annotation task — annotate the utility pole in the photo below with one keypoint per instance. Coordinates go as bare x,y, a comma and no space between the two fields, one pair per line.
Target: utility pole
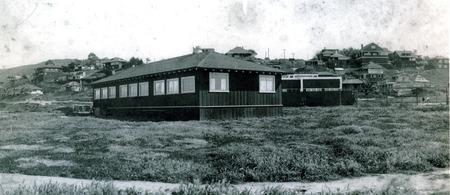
293,54
268,56
284,53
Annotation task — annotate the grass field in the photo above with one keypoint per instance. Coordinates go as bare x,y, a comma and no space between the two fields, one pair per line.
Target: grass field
306,144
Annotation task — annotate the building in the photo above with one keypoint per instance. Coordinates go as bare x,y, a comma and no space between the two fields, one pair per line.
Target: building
47,74
403,84
352,84
27,89
326,54
113,64
199,86
372,53
372,73
439,62
404,58
338,60
240,52
314,90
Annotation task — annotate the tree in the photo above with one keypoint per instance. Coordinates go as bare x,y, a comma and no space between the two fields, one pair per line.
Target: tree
348,51
253,52
92,59
72,65
133,62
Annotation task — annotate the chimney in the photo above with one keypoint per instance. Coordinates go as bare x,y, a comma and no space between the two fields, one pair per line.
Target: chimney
362,46
196,49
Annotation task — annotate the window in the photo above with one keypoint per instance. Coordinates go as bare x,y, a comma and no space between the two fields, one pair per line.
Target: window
112,92
266,84
105,93
218,82
158,87
143,89
172,86
188,84
132,90
123,91
97,94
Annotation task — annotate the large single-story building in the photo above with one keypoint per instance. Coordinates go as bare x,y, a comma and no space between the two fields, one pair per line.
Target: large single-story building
202,85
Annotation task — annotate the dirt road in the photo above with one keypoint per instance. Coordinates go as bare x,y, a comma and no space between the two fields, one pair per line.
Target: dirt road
425,183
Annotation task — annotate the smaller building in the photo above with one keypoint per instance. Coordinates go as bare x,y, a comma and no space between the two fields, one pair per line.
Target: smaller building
403,84
113,64
338,60
404,58
73,86
439,62
240,52
352,84
314,90
372,73
47,74
28,89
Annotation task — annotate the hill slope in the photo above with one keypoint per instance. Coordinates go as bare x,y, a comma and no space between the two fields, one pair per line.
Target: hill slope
29,69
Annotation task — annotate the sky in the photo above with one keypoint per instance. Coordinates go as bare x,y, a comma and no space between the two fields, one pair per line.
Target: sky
32,31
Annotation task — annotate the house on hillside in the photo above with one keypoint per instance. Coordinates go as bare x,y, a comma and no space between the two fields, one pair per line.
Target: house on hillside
372,73
403,84
439,62
338,60
326,54
72,86
240,52
198,86
113,64
404,58
47,74
372,53
27,89
352,84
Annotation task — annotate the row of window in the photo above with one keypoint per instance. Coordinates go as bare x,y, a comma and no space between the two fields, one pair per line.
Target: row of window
219,82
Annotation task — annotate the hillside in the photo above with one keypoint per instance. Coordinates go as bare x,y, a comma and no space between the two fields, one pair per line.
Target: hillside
438,77
29,69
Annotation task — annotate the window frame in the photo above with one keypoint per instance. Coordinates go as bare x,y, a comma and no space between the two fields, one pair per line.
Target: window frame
227,86
104,93
123,94
182,80
130,86
140,94
163,87
168,92
112,95
273,83
97,94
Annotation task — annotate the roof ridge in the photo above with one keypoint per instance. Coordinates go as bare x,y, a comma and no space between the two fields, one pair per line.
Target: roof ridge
203,60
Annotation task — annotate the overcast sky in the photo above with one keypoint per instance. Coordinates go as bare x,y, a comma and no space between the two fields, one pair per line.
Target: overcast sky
37,30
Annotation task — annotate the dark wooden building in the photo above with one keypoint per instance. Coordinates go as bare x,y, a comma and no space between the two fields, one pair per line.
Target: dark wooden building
314,90
202,85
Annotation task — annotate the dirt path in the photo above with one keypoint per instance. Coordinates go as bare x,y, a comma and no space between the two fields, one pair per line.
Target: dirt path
425,183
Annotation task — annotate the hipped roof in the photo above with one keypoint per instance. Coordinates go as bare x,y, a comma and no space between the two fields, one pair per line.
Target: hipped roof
239,50
210,60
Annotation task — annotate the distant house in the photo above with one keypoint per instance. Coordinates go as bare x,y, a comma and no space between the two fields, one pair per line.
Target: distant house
198,86
372,53
439,62
314,62
339,71
239,52
403,84
27,89
47,74
352,84
404,58
371,72
113,64
326,54
338,60
73,86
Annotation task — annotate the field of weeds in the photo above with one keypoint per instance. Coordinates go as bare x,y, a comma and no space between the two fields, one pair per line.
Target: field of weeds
306,144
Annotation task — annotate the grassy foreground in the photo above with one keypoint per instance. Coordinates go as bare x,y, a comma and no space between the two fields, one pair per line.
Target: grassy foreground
306,144
221,188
